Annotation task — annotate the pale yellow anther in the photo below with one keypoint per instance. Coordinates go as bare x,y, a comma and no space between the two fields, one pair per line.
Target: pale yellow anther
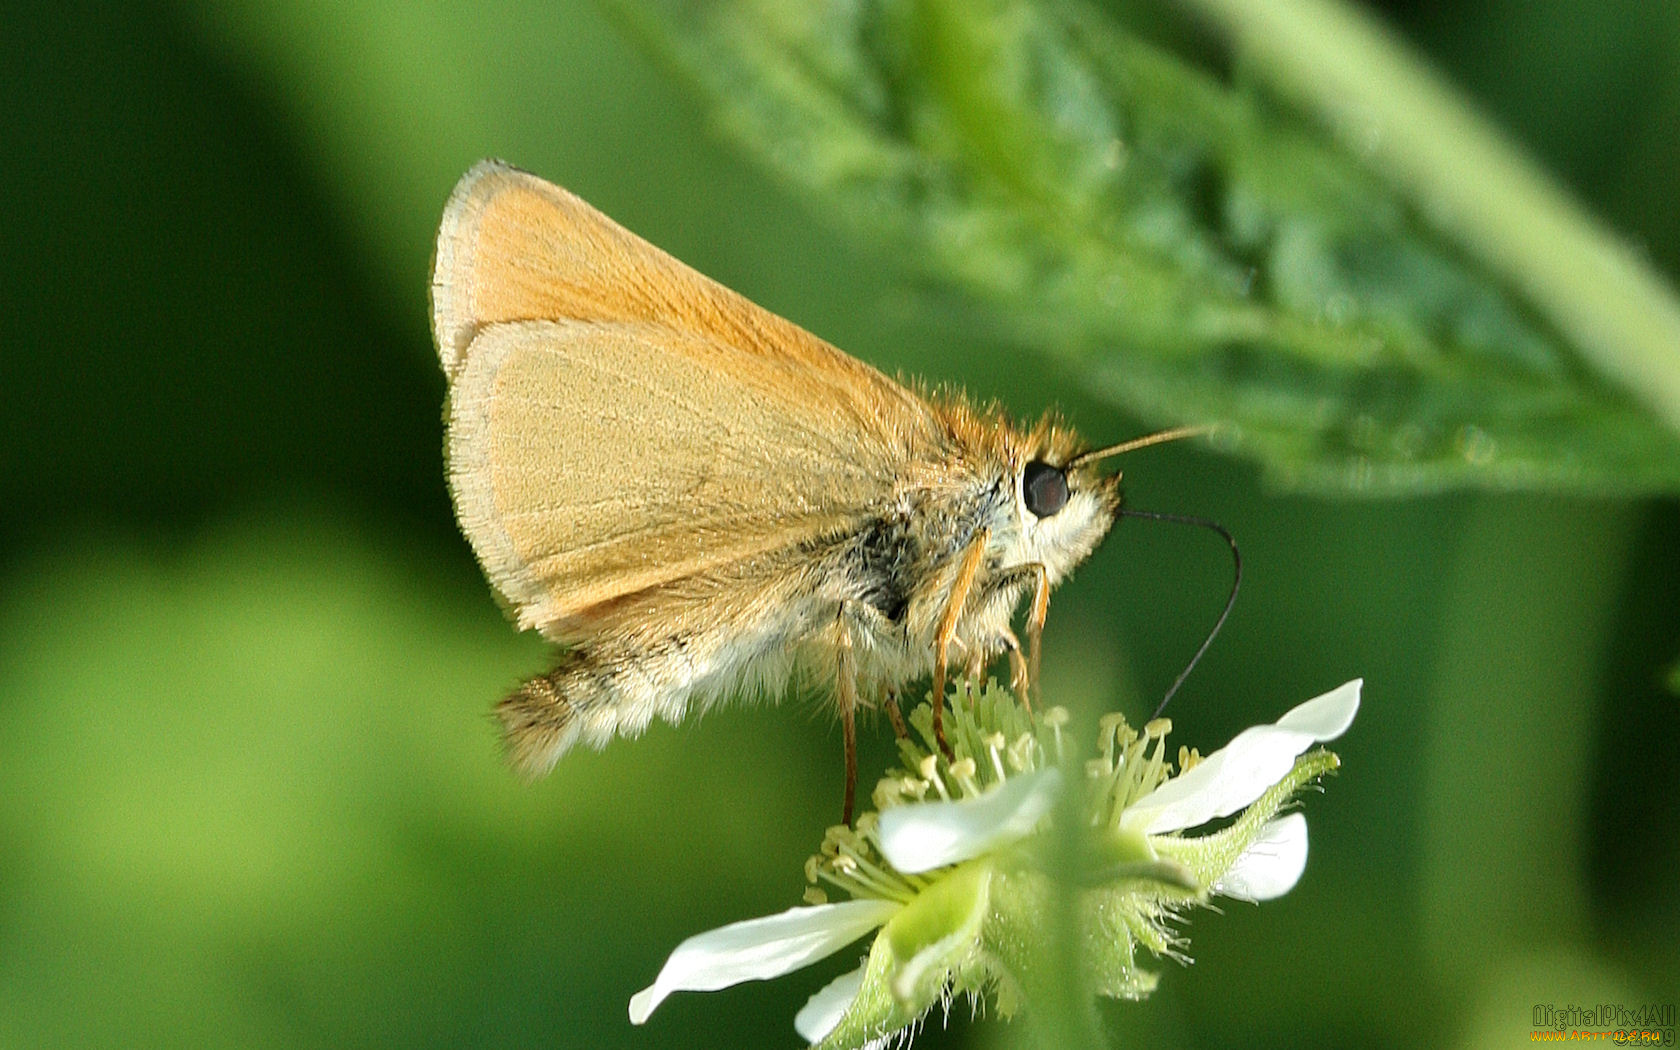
1020,753
994,750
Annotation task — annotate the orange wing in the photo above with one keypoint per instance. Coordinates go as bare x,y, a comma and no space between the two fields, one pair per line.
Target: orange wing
618,421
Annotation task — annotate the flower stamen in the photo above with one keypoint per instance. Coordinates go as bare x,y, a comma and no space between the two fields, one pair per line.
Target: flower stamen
952,886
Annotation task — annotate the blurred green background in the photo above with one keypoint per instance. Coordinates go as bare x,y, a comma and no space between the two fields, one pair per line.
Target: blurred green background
250,794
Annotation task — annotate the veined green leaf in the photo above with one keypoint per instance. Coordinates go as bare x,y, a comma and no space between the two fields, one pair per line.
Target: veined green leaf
1190,249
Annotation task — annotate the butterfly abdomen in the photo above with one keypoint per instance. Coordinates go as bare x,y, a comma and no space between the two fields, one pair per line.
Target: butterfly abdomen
540,722
615,684
594,695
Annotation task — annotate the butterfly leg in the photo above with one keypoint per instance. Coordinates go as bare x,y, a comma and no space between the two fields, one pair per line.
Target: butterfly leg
967,570
1035,627
975,671
858,620
845,692
1017,667
1023,671
894,715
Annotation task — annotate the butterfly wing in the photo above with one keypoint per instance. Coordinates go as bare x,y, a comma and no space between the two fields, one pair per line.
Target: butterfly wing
618,422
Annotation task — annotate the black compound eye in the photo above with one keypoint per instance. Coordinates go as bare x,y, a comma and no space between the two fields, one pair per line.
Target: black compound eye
1044,488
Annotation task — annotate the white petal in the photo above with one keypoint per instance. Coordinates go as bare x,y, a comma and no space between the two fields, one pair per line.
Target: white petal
824,1010
1271,865
922,836
1326,717
757,949
1238,773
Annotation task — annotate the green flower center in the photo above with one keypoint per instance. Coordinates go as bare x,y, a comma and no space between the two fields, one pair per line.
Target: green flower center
992,738
1128,769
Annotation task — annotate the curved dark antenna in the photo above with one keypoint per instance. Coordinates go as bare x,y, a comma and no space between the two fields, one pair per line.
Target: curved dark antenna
1236,582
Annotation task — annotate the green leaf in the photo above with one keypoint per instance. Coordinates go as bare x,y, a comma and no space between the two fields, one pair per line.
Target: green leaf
1187,247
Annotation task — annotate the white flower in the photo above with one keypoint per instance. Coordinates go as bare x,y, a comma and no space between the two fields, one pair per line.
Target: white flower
1238,773
946,874
757,949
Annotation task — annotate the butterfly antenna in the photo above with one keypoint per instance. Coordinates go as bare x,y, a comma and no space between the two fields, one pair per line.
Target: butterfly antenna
1160,437
1236,582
